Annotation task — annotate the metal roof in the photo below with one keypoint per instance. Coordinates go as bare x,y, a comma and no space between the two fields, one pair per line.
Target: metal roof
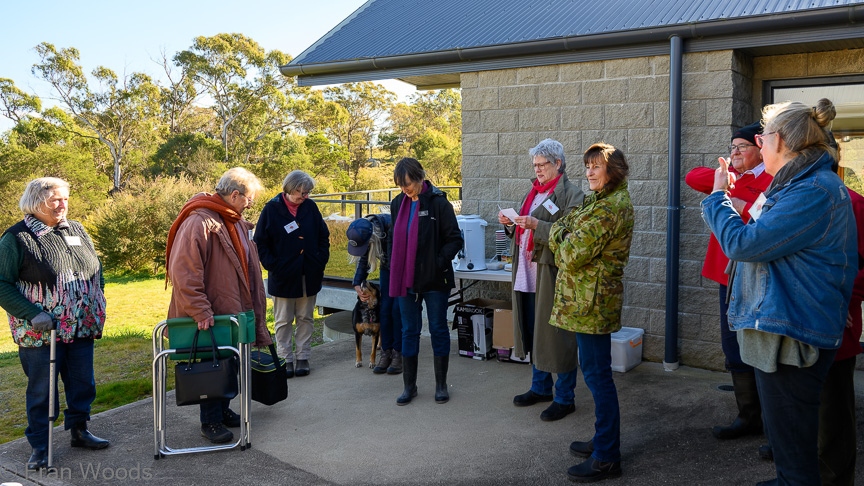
384,28
392,31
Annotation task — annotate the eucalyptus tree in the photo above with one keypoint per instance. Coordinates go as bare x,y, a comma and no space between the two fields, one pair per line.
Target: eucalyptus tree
16,104
236,73
348,114
119,112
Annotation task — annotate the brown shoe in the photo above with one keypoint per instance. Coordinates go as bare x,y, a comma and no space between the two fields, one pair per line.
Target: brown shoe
395,367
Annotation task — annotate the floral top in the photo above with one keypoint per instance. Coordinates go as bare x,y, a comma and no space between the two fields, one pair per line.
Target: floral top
55,270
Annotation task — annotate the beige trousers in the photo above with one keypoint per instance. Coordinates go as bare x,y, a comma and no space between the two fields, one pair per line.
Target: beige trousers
288,335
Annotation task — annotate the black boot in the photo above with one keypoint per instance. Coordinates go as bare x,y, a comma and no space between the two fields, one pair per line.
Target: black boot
409,378
38,459
441,365
82,438
749,419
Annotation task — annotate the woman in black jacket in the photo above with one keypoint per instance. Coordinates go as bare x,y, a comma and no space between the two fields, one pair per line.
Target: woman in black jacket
294,246
425,239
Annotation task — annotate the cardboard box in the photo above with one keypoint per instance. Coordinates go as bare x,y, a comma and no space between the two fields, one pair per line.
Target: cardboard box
502,336
626,348
474,322
502,329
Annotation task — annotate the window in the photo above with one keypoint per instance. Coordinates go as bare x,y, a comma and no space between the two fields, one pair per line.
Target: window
847,94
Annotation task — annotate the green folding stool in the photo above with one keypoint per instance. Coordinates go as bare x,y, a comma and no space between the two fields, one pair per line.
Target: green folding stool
233,333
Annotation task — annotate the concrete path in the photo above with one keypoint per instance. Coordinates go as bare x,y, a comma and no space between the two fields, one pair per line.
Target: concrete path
340,425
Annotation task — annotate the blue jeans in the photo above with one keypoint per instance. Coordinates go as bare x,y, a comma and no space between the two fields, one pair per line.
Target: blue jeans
790,412
541,381
75,366
729,339
391,319
411,308
595,357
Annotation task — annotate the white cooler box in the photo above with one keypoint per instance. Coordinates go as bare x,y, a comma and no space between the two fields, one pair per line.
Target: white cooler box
626,348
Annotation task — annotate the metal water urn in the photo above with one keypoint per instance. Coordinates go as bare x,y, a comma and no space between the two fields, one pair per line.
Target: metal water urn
472,256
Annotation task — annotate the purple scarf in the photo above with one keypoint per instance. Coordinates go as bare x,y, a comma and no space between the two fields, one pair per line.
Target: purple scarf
404,249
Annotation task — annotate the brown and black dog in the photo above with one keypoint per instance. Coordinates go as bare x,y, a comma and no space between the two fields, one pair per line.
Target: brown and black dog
366,321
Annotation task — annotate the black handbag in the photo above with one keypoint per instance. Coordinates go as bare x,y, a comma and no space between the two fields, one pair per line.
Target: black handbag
269,377
205,380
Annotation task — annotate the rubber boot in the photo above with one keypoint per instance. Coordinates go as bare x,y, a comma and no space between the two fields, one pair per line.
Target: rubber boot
749,419
409,378
441,365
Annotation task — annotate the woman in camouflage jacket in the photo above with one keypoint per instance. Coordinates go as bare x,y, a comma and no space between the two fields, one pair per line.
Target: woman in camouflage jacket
592,245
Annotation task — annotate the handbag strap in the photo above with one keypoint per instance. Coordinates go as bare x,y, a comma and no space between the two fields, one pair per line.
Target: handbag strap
276,360
195,348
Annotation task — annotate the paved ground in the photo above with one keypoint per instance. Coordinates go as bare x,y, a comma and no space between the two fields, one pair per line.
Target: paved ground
341,425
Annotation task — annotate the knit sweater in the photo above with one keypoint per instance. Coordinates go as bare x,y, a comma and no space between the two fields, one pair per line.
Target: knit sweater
55,270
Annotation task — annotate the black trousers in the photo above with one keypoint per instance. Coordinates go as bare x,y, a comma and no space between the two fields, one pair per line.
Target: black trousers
837,433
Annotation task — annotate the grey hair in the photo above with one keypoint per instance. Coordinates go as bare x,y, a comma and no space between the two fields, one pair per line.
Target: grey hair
298,180
550,150
38,192
240,180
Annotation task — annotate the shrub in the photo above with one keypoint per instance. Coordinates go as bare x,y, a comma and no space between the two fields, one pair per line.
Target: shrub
130,231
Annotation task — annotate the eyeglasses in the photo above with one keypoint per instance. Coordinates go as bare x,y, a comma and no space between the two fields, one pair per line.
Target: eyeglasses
760,138
540,166
741,147
250,200
303,194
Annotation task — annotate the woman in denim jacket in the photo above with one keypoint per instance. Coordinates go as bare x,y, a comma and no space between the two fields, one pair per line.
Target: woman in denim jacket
796,262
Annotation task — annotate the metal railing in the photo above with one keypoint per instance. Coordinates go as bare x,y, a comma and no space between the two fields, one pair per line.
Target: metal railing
368,201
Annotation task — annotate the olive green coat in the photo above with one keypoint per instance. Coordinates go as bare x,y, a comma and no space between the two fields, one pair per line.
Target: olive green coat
591,247
554,349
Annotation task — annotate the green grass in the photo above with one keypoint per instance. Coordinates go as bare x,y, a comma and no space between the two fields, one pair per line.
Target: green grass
122,358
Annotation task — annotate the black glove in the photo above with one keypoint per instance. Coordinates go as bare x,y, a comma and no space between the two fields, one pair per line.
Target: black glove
42,322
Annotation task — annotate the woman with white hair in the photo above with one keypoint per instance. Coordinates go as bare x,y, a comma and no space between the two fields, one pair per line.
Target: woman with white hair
51,277
294,244
552,196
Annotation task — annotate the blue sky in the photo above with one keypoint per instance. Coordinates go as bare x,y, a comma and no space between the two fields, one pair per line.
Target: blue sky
125,36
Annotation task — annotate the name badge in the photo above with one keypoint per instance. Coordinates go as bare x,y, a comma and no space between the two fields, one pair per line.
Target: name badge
550,206
73,240
251,234
423,213
756,209
291,226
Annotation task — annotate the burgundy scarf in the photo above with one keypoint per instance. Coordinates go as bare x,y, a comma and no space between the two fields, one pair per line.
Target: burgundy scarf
404,248
536,188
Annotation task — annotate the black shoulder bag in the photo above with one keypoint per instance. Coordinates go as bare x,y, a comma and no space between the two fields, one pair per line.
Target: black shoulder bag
269,377
205,380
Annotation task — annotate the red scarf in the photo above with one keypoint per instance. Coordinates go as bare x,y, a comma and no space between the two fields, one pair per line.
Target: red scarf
292,208
536,188
213,202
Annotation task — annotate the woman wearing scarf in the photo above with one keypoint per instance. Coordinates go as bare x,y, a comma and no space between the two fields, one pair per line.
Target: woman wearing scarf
790,291
422,272
214,268
294,242
553,350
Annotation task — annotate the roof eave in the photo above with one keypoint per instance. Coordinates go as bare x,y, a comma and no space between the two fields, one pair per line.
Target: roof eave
774,22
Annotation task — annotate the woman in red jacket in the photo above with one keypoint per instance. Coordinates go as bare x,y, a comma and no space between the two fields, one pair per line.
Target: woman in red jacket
751,181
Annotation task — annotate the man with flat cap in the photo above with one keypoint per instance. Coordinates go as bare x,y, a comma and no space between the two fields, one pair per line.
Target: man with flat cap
750,181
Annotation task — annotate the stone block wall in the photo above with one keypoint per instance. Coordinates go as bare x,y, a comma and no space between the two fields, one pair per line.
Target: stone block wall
624,102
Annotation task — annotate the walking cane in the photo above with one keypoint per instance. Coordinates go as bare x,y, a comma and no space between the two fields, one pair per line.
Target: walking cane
52,369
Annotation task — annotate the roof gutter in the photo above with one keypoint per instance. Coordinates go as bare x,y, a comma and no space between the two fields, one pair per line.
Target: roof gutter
809,18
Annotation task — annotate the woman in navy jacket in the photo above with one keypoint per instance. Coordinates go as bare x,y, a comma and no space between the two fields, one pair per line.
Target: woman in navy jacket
294,246
425,239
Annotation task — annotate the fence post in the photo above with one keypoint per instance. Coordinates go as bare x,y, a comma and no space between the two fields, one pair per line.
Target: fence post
358,210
